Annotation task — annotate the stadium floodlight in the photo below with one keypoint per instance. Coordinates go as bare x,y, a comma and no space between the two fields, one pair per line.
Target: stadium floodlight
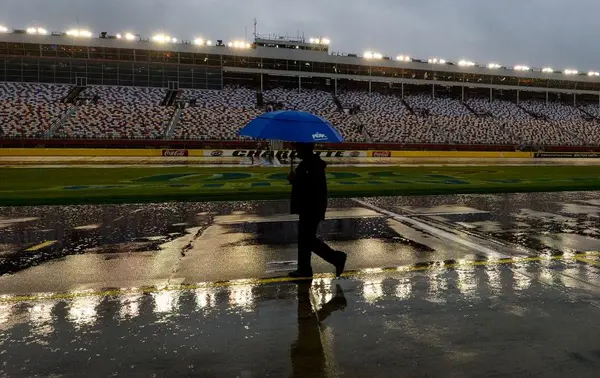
163,38
436,61
3,29
593,73
493,66
119,36
129,36
40,31
547,70
319,41
466,63
79,33
201,42
404,58
239,45
372,55
570,72
521,68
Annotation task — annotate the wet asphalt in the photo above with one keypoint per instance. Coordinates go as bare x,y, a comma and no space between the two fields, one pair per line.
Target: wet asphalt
437,286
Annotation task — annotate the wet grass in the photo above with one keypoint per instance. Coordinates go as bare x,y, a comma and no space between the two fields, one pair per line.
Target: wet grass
36,186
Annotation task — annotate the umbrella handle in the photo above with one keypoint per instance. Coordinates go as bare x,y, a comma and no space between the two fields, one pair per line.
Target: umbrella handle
292,163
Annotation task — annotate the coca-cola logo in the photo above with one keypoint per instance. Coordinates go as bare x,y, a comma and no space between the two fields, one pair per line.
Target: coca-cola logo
216,153
354,154
174,153
382,154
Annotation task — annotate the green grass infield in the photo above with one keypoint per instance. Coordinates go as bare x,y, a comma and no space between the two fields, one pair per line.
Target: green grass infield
46,186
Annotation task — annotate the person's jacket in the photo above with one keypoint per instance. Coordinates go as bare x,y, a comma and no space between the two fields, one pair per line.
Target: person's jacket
309,189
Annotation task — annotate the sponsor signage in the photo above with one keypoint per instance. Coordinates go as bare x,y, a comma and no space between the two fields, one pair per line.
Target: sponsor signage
175,153
382,154
280,154
319,137
574,155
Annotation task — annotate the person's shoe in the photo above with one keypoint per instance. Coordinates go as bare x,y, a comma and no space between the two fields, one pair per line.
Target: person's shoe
301,273
340,265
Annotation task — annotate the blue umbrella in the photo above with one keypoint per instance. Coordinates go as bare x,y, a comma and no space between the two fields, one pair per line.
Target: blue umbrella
292,126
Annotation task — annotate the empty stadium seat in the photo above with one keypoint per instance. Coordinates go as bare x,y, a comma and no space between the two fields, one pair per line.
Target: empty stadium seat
29,110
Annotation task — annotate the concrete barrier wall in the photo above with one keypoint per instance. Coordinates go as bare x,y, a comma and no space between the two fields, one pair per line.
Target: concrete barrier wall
100,152
459,154
107,152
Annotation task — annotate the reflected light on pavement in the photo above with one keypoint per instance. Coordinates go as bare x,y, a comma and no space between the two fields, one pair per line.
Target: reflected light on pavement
129,305
82,310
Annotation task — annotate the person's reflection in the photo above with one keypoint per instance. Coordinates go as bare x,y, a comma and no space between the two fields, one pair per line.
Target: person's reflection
308,357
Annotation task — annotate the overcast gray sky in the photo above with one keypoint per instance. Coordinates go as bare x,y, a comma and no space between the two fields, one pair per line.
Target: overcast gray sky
558,33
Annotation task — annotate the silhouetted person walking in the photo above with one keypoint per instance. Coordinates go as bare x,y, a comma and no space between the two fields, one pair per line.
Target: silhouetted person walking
309,201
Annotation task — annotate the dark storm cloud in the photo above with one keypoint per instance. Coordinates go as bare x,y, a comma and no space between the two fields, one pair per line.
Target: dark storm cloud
533,32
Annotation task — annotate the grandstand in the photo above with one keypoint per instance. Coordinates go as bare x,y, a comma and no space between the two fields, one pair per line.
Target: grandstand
55,87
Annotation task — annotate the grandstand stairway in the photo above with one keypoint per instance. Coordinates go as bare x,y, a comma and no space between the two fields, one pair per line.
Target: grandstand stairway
586,115
173,122
170,98
407,105
73,94
361,128
532,114
337,102
59,122
469,108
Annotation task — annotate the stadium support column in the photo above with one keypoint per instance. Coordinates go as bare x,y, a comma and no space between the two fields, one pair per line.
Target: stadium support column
335,86
517,96
261,83
462,93
574,100
299,84
433,91
491,98
546,97
369,86
403,93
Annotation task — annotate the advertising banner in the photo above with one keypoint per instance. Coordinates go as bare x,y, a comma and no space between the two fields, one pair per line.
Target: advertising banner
175,153
280,154
381,154
567,155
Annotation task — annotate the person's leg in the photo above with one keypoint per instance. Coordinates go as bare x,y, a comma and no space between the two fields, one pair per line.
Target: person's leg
324,251
306,236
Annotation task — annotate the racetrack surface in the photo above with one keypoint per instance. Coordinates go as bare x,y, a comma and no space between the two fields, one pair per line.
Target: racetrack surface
485,285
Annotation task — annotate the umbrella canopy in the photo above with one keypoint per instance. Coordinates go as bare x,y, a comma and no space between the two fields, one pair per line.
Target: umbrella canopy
291,126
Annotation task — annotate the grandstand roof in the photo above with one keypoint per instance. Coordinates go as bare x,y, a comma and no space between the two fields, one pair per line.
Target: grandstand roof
314,56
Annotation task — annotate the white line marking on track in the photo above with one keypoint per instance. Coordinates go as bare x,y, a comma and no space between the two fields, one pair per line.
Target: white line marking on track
436,231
